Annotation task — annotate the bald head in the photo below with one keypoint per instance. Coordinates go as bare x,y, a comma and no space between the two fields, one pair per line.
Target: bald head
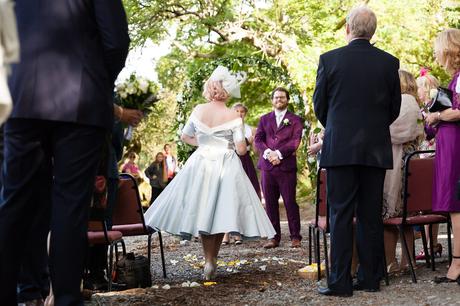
361,22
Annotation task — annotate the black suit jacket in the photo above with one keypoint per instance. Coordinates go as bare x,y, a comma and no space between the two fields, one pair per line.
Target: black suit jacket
71,54
357,97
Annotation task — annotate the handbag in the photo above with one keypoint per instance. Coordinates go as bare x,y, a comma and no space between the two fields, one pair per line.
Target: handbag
442,100
134,271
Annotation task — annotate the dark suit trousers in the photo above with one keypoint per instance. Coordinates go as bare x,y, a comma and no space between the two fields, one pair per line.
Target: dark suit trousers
48,172
274,183
350,190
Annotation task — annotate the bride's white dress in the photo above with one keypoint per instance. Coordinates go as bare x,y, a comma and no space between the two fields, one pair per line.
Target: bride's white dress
212,193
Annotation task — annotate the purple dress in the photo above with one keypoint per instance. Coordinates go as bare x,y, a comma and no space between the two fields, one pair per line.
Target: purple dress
447,160
248,164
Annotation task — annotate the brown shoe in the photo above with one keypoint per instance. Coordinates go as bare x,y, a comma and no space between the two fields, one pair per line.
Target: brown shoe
295,243
272,243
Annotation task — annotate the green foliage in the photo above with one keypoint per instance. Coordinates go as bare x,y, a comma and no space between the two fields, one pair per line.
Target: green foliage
288,34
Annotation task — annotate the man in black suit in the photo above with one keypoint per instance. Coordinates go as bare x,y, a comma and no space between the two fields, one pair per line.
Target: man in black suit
71,54
357,97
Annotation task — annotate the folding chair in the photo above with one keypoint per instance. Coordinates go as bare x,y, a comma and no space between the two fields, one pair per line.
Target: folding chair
319,224
128,217
417,204
99,235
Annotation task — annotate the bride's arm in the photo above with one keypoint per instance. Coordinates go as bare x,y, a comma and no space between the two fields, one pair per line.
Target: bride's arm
189,140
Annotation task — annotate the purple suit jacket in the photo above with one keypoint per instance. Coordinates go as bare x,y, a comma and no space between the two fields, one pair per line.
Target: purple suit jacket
285,138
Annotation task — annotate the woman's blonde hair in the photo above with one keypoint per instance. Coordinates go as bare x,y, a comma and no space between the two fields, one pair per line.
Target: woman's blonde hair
447,50
408,84
214,91
426,83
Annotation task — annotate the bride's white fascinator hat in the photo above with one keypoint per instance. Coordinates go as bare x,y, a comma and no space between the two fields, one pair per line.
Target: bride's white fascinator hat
230,81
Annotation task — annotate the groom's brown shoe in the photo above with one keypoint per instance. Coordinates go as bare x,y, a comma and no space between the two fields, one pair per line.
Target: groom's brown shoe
272,243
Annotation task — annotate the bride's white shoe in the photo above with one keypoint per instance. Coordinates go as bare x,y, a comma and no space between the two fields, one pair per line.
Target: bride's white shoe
209,271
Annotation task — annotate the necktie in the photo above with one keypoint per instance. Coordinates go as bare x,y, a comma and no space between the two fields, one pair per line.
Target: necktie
279,117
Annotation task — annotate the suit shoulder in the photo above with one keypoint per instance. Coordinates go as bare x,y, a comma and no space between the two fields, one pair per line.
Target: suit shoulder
387,55
264,117
332,53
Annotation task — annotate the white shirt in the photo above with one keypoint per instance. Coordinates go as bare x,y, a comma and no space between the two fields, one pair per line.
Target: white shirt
279,115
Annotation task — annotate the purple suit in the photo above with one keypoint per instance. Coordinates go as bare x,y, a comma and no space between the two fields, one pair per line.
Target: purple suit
282,178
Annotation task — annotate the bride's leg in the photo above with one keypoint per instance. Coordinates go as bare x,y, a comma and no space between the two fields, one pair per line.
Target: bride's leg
217,243
208,247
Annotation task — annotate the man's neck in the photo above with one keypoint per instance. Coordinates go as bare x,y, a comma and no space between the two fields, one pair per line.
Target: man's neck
356,38
280,110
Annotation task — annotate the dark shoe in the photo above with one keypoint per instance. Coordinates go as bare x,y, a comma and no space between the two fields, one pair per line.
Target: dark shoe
271,244
295,243
444,279
329,292
359,287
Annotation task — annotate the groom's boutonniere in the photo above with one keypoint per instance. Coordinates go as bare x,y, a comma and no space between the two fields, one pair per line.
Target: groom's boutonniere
286,122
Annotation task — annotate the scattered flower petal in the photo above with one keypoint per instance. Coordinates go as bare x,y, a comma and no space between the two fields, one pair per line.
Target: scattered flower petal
194,284
173,262
210,283
166,287
263,268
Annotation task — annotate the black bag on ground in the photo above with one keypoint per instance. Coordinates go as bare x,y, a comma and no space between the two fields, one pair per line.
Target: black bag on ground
134,271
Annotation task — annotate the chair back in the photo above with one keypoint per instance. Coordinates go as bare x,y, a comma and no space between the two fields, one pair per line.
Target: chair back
321,195
128,209
418,183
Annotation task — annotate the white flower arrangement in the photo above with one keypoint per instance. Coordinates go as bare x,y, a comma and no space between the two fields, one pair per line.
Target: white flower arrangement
137,92
286,122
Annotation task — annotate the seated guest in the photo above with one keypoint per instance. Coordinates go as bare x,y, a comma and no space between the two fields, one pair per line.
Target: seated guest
405,133
425,84
157,176
131,167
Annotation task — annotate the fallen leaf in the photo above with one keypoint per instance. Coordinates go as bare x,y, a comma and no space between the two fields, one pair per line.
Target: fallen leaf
173,262
210,283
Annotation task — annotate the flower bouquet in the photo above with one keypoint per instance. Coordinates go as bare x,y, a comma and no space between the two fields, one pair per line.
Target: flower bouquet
139,93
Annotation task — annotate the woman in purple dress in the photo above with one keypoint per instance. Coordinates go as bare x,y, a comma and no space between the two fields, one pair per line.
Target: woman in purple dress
447,160
246,161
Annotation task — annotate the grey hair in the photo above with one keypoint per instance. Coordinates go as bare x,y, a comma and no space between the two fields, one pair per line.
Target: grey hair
236,105
362,22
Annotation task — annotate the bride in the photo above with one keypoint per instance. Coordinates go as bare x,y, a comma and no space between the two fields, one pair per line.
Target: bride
212,194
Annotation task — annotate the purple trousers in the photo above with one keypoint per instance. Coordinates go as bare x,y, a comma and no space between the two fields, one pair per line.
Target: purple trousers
276,183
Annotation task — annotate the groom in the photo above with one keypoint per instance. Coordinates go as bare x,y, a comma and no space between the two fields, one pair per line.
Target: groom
277,139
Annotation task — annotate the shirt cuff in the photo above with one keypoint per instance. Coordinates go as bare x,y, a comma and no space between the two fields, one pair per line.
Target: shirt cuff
266,153
279,154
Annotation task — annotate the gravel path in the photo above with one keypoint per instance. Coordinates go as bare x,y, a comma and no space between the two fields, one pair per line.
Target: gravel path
251,275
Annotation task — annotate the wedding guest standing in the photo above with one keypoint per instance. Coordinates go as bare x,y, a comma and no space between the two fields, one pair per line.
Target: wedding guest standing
447,161
246,161
357,97
62,92
406,133
157,176
277,139
170,162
